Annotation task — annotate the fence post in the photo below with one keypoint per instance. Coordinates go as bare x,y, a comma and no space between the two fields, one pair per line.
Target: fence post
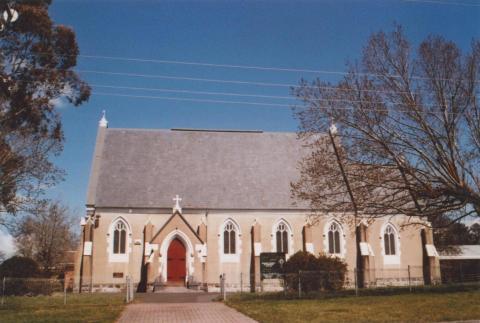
461,273
224,288
409,281
130,288
64,291
299,284
221,284
3,291
356,280
127,289
241,283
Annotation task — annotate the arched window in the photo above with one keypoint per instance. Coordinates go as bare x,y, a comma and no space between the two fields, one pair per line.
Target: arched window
229,241
119,237
334,239
229,238
282,238
389,241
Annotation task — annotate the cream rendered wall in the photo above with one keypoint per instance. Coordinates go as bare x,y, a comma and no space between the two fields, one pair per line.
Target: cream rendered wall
103,269
409,243
245,220
320,239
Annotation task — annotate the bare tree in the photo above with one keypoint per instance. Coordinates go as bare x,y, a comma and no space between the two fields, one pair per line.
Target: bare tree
45,235
408,127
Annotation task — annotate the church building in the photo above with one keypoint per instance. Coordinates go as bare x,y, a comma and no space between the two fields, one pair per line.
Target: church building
183,206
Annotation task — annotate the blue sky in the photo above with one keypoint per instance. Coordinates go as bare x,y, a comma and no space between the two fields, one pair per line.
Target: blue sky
320,35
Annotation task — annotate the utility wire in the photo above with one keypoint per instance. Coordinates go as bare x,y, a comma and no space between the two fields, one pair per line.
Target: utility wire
249,95
193,92
267,84
191,99
453,3
237,102
169,77
250,67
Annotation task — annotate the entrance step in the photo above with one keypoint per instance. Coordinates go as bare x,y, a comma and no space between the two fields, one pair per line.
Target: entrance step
176,289
166,297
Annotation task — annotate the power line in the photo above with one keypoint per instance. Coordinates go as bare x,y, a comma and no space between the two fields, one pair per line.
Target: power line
196,79
454,3
169,77
193,92
191,99
233,102
245,95
251,67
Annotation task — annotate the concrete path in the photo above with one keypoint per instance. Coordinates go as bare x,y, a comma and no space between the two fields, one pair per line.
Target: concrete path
182,312
180,305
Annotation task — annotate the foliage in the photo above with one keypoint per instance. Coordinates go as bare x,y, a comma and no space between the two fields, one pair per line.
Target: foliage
19,267
474,233
315,273
301,260
408,128
37,58
46,234
32,286
446,234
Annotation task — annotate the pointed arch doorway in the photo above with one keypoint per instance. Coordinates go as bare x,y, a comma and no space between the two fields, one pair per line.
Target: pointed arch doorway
176,262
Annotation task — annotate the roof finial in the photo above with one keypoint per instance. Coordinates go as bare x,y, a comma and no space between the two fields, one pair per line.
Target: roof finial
103,121
333,128
177,207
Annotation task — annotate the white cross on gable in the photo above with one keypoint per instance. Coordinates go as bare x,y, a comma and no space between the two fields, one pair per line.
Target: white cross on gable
177,207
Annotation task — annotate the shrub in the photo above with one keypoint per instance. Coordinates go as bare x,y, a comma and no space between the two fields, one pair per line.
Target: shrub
19,267
301,260
22,275
315,273
32,286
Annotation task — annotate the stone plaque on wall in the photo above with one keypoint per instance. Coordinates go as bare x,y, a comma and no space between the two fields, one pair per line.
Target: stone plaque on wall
117,275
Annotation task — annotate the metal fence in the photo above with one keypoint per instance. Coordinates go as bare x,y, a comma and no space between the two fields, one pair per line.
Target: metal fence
57,290
129,290
296,284
355,282
460,271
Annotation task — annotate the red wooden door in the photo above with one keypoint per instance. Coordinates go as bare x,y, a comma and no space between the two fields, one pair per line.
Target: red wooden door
176,266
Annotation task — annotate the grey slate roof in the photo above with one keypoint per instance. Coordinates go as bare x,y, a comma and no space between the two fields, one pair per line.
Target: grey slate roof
214,170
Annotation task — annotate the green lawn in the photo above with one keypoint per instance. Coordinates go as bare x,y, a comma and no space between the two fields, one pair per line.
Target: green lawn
422,307
79,308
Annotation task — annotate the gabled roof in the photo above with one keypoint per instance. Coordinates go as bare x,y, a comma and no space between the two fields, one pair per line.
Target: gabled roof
174,215
460,252
208,169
